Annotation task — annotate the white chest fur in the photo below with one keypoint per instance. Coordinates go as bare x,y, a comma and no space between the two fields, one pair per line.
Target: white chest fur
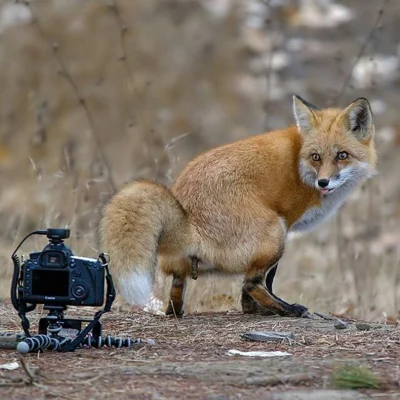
315,215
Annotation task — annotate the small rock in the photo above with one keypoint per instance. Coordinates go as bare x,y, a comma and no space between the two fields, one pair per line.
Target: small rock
339,324
362,326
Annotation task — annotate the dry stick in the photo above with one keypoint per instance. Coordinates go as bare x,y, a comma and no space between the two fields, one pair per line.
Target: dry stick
64,72
28,372
175,139
370,221
341,247
396,285
231,304
123,29
124,57
269,65
122,32
173,309
362,49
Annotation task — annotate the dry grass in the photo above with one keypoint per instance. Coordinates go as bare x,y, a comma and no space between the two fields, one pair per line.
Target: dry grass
354,377
96,93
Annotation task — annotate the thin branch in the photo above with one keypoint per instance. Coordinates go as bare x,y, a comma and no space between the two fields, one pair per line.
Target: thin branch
122,32
173,309
31,378
123,29
272,52
375,26
54,47
175,139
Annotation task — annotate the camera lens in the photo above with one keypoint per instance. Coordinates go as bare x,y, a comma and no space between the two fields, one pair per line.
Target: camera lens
79,291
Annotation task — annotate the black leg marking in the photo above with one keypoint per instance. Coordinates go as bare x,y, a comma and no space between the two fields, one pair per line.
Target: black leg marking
269,277
265,301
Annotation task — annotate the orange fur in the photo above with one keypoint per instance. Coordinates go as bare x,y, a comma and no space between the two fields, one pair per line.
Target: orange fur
233,206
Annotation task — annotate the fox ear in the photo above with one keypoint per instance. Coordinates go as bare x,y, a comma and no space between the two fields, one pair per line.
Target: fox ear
358,118
304,113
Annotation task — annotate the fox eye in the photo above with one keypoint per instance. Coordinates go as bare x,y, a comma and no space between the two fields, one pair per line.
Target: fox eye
342,155
315,157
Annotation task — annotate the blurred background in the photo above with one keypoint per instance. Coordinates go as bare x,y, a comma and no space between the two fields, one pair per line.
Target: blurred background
95,93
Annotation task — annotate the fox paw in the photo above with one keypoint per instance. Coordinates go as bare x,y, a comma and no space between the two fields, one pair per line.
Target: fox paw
297,310
172,313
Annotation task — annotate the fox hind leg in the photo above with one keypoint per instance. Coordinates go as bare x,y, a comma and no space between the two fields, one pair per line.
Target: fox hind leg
258,286
251,306
257,294
176,297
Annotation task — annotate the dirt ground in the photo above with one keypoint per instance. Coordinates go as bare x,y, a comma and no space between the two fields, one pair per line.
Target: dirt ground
190,360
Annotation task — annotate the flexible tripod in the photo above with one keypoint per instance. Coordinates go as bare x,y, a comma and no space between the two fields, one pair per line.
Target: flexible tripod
50,334
55,322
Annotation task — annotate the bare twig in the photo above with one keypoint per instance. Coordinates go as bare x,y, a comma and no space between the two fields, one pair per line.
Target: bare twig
396,285
122,32
231,305
54,47
340,245
175,139
123,29
27,370
269,64
375,26
173,309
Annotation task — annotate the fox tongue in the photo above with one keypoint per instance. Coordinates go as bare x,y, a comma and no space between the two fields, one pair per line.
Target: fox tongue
324,191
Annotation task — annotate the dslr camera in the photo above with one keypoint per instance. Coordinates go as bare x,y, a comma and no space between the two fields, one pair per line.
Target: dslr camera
55,276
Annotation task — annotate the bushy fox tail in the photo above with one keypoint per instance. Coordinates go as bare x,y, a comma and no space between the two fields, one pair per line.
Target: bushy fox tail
135,222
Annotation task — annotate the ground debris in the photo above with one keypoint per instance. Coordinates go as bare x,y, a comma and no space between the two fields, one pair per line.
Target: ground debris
258,353
9,366
363,327
194,354
280,379
339,324
326,394
268,336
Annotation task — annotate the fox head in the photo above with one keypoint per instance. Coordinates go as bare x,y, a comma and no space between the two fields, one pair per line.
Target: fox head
337,144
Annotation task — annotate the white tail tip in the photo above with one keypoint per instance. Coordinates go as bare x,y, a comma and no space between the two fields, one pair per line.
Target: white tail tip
136,287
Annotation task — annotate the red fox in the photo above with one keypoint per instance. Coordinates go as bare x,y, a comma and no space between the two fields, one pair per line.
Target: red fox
232,207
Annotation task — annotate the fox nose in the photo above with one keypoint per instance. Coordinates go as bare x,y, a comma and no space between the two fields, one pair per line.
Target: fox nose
323,183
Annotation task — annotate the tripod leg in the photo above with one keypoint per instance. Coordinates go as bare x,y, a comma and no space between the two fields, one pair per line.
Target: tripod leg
43,324
97,329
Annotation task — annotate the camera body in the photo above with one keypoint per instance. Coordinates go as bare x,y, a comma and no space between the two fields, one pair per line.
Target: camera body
55,276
